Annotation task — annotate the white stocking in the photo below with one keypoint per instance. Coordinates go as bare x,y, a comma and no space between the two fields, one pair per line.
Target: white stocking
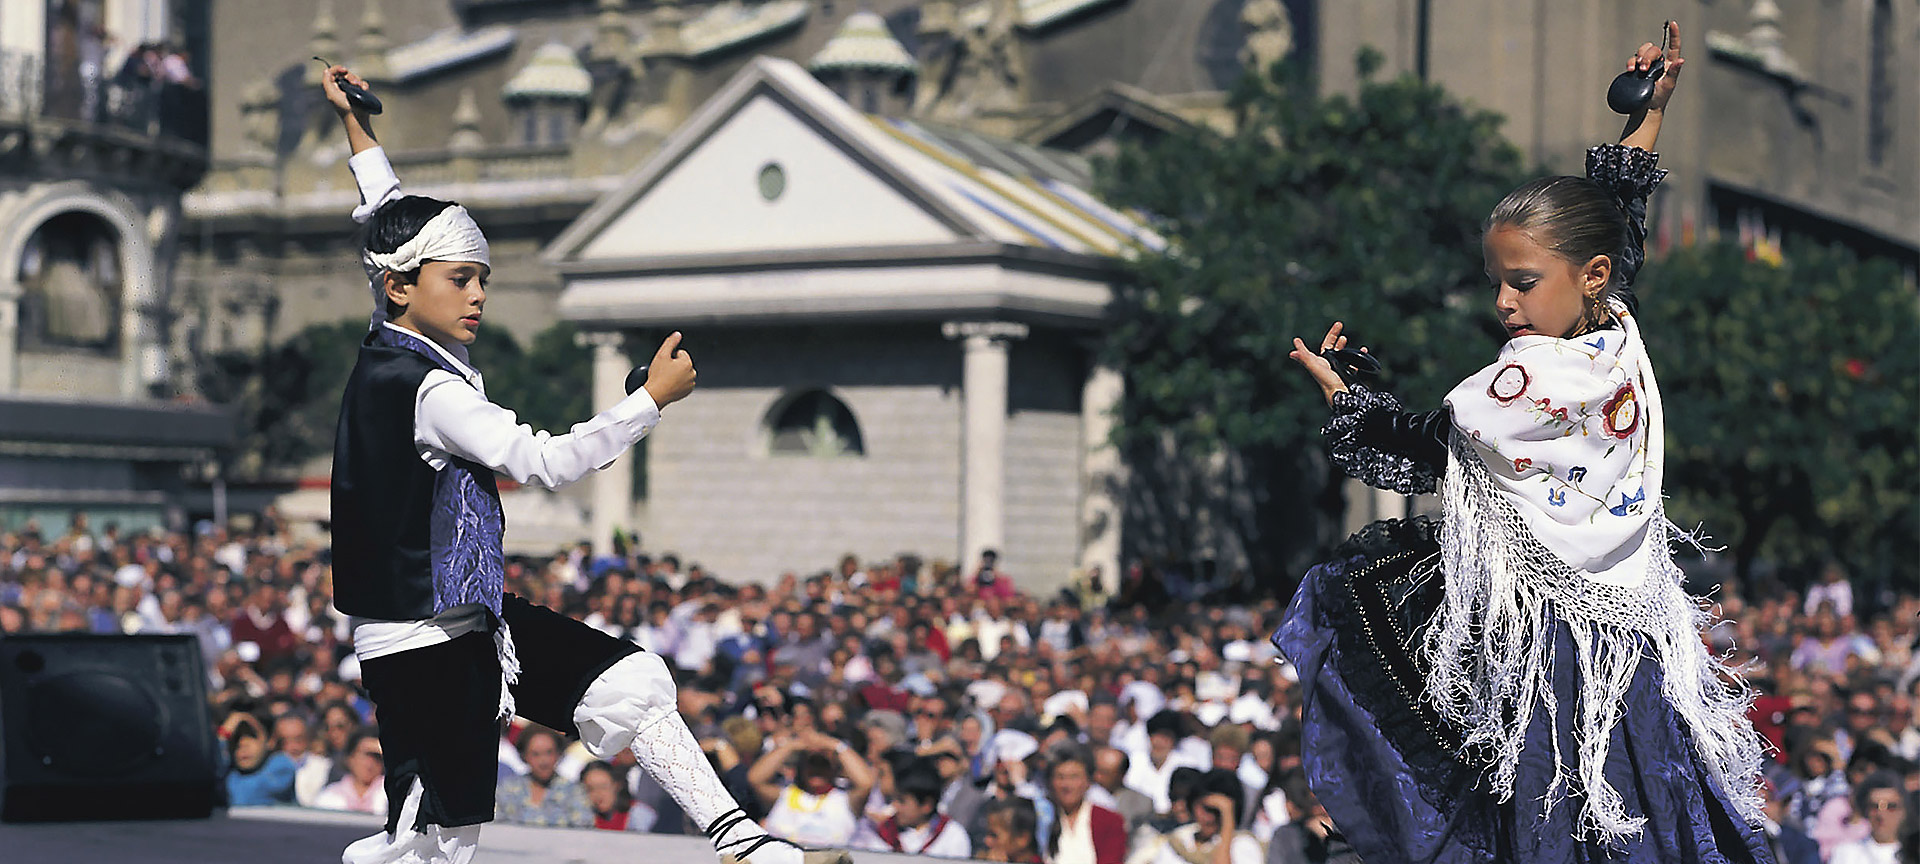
635,704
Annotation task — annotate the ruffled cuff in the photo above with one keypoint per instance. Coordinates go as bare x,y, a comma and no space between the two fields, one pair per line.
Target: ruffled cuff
1378,468
1628,172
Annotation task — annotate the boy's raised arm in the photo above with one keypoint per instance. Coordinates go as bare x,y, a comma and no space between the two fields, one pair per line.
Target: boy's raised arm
359,125
371,170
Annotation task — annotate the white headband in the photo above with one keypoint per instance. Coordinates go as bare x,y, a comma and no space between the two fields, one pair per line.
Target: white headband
450,235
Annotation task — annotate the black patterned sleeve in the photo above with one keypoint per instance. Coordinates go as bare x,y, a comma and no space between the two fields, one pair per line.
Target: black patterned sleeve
1630,173
1375,442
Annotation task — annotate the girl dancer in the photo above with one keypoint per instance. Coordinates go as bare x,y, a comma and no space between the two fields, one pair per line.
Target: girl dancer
445,653
1525,681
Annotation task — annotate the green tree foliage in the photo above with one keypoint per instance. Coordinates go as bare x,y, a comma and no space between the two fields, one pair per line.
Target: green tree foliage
549,383
1365,209
288,396
1792,393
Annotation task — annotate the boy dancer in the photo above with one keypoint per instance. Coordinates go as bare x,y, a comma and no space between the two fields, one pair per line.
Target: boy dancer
444,652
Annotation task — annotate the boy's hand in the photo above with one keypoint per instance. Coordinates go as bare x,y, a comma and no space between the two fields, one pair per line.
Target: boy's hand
330,84
670,375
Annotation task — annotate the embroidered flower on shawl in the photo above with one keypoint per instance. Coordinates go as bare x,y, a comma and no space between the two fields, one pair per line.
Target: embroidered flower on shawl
1509,384
1622,412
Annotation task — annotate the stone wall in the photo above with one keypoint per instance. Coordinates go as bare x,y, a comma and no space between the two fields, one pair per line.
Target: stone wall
1043,461
717,497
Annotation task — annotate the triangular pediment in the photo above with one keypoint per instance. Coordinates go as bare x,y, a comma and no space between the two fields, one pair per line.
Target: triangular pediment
766,179
773,162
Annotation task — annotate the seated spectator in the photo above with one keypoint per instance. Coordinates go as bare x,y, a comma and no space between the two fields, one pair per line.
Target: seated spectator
917,827
612,804
1083,832
294,738
1309,836
338,722
1008,776
1822,783
541,796
1789,844
1884,800
259,776
364,788
1151,771
1182,783
1010,836
1109,770
1215,804
733,752
812,809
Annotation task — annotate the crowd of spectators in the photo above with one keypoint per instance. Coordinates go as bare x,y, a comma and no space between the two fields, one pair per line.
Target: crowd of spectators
915,707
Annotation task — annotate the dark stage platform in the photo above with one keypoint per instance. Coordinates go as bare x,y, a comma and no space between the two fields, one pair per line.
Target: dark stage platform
296,836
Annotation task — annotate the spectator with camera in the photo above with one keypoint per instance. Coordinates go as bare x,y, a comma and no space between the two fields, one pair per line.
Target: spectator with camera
1214,835
258,775
916,827
811,808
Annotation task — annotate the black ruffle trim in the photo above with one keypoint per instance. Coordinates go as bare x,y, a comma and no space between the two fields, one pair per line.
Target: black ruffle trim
1630,173
1371,465
1376,606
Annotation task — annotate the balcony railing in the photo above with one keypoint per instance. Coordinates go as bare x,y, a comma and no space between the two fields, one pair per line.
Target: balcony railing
32,89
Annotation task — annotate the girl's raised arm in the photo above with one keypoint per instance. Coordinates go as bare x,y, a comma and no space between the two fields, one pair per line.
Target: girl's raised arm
1643,127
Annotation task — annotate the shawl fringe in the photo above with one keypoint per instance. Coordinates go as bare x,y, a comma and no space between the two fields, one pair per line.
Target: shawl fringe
1490,654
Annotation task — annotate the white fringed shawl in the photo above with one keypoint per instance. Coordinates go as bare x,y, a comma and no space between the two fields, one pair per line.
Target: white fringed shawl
1553,514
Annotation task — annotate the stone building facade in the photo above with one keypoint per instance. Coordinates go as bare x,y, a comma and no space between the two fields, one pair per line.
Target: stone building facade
92,168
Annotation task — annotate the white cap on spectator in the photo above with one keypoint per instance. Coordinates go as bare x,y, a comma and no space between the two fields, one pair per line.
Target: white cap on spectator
1063,702
1012,745
986,692
1237,652
130,576
1146,699
1250,708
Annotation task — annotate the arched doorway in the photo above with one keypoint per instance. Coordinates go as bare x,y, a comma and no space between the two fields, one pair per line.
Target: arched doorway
72,281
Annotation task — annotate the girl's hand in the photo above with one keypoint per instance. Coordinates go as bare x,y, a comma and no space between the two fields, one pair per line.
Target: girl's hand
1317,366
1649,52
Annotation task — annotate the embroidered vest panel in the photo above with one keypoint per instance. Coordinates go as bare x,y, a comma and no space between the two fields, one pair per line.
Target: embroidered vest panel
409,542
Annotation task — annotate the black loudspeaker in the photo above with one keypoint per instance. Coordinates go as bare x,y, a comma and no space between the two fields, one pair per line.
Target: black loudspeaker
104,727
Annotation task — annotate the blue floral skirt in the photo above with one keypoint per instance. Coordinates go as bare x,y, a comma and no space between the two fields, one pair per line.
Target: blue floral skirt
1384,765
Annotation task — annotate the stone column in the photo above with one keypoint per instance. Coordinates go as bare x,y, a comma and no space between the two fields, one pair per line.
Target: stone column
1102,473
9,334
613,485
983,464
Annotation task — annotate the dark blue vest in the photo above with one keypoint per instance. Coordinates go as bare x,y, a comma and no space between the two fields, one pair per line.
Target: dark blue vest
409,542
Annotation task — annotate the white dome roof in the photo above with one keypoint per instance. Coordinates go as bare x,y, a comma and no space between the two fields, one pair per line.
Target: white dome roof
864,42
554,72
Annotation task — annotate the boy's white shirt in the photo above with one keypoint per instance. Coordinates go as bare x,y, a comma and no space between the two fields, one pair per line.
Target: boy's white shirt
459,421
